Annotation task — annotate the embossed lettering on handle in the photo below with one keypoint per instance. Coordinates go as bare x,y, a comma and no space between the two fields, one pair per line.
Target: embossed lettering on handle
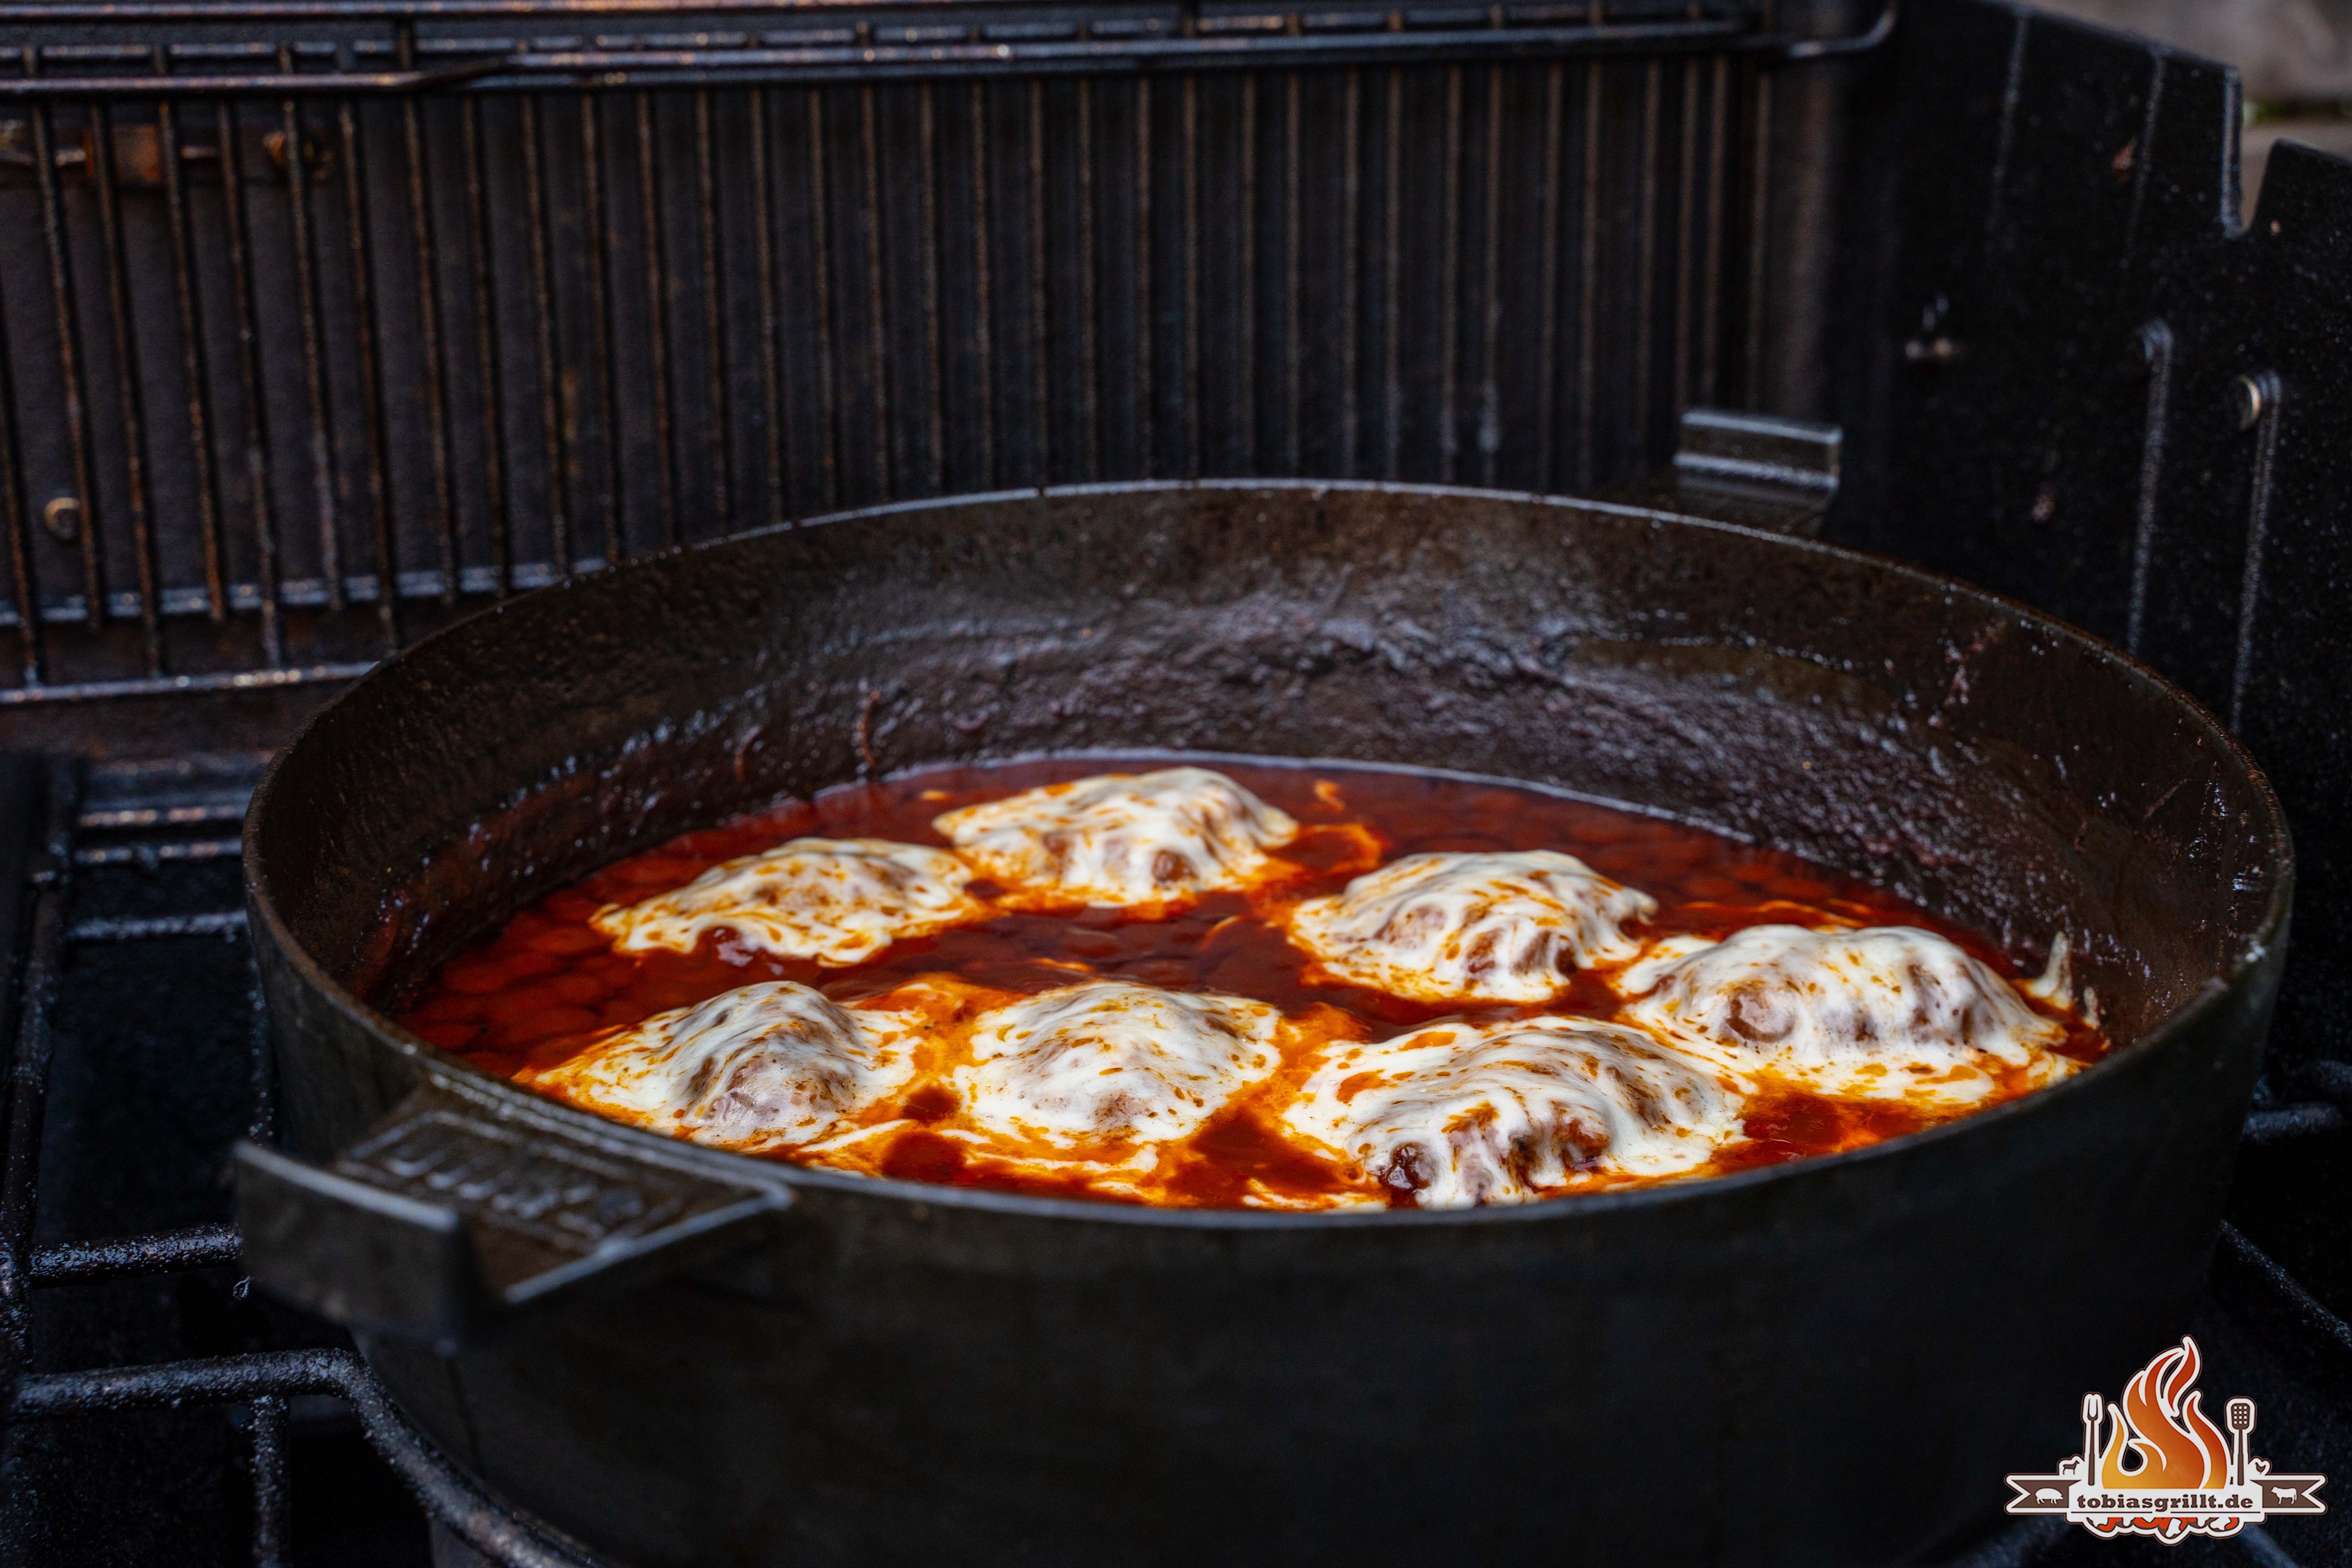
447,1219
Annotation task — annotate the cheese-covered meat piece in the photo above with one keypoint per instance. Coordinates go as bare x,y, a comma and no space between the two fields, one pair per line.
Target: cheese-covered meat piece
1495,928
1121,839
1458,1115
1885,1012
837,900
1107,1063
765,1066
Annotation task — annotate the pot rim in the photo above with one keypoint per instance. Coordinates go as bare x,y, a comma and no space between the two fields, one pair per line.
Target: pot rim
461,1076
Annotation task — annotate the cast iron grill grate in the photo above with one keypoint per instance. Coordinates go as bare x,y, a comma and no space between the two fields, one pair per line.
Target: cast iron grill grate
155,1409
325,321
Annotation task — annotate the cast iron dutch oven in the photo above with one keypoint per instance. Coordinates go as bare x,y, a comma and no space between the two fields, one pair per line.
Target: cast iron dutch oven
682,1356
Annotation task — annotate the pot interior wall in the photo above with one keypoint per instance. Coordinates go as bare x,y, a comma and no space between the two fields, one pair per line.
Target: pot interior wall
1961,751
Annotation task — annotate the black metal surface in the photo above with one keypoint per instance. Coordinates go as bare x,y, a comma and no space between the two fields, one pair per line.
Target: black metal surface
1106,1361
136,1058
2076,377
2017,201
264,1448
687,275
1752,470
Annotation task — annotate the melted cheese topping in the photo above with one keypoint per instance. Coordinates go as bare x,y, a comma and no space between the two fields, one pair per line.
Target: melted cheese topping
765,1066
1495,928
1111,1064
1121,839
1461,1115
1886,1012
837,900
1564,1054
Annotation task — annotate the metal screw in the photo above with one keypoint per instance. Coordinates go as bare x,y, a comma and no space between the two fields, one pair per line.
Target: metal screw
62,518
2247,402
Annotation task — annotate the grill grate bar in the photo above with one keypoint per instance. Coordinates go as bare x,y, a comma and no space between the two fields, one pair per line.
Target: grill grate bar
1759,237
75,517
362,246
1351,319
553,446
272,1501
1449,343
264,1381
1717,151
871,241
1245,311
935,406
1294,328
308,592
1392,266
2285,1293
765,249
714,311
1146,323
497,495
1089,322
603,323
441,521
168,1385
26,588
666,454
983,336
842,54
2292,1123
1588,292
162,817
1189,153
820,243
298,155
148,928
1040,321
29,1080
1686,207
1490,293
86,1262
1646,307
1548,272
249,383
193,362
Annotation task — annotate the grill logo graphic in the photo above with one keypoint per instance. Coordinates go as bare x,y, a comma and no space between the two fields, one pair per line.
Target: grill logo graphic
2164,1468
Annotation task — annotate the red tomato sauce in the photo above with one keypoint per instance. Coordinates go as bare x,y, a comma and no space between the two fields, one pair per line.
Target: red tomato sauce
549,986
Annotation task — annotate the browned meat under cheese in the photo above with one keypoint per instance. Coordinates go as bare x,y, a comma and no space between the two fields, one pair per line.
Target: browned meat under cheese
837,900
1460,1115
1110,1063
1121,839
1886,1013
1492,927
768,1066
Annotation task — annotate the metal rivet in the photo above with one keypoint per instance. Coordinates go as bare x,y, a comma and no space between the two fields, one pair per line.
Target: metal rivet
2246,401
62,518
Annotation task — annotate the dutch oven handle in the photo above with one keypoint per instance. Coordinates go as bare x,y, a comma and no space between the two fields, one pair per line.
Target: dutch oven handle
447,1219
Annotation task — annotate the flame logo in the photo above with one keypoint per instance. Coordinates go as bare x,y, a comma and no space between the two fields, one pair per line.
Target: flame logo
2162,1455
2161,1429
